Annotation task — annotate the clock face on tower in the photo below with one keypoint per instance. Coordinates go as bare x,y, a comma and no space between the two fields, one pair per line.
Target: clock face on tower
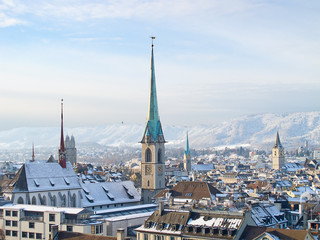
148,170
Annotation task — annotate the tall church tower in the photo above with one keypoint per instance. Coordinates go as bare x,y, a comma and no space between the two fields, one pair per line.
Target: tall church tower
71,150
187,157
62,150
277,154
153,150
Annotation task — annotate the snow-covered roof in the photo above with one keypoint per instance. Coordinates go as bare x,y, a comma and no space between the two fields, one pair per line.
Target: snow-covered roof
202,167
104,193
43,176
222,222
40,208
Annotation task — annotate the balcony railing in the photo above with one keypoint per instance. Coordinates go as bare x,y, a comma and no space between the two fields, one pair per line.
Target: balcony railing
32,218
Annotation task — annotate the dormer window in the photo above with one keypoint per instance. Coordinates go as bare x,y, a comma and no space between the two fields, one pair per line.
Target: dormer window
36,182
51,182
66,181
105,189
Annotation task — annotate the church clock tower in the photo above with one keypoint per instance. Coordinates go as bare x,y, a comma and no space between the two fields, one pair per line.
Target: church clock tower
187,157
153,149
277,154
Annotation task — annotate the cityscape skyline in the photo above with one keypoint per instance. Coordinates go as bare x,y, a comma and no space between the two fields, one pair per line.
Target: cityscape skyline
213,60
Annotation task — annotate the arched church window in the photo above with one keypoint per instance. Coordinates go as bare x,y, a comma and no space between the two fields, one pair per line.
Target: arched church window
160,155
73,200
44,200
63,201
54,201
34,201
148,155
20,200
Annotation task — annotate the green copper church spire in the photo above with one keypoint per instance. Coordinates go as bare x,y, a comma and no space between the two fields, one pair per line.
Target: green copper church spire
153,125
153,114
187,151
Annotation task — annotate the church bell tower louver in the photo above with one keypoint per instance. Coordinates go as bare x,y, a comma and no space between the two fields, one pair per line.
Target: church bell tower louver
153,149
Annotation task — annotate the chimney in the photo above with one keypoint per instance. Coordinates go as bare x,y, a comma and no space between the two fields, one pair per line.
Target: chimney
120,234
171,201
161,207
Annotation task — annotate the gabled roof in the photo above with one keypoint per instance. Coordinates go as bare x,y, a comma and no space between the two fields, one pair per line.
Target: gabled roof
43,176
190,190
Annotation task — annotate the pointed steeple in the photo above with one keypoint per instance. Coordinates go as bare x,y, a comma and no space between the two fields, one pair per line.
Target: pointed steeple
187,151
62,150
278,143
153,125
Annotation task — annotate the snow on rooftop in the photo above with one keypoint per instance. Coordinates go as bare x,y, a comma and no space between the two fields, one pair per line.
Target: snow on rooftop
40,208
216,222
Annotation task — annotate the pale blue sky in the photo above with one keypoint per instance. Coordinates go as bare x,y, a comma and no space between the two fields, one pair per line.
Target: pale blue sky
215,60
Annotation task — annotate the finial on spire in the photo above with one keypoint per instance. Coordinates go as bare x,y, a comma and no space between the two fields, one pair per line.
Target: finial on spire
152,38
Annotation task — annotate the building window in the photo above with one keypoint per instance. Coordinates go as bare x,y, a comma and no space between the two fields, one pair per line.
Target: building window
8,233
24,234
50,227
31,235
14,233
14,223
8,223
159,155
171,238
145,237
20,200
51,217
34,201
31,225
148,155
38,236
69,229
8,213
14,213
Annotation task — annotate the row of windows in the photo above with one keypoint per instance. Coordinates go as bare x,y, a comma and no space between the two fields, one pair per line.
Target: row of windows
24,234
11,223
156,237
31,235
148,155
11,213
115,205
52,201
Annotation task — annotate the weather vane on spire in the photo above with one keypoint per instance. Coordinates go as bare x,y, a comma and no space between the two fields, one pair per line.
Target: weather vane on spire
152,38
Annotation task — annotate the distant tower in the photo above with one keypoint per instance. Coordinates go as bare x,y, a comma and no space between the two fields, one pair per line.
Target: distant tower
277,154
32,159
71,151
187,157
153,150
62,150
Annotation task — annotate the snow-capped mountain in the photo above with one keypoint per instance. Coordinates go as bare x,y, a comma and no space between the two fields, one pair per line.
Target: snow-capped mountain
255,130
